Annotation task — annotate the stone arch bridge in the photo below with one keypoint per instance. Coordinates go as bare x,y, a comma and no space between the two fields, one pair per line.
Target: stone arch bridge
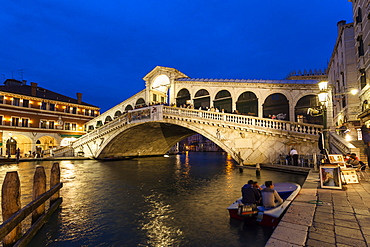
155,129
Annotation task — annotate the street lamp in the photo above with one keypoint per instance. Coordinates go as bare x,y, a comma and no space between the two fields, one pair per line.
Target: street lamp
323,98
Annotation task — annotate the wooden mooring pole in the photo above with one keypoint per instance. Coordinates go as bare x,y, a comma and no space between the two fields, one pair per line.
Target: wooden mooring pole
39,188
13,214
10,204
54,180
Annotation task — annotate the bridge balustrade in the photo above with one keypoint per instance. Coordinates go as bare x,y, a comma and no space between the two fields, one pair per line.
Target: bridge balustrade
156,113
303,128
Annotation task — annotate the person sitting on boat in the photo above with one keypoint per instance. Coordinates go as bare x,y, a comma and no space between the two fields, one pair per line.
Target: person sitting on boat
250,194
270,196
259,189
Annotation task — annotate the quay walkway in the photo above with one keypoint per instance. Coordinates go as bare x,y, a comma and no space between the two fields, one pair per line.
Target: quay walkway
326,217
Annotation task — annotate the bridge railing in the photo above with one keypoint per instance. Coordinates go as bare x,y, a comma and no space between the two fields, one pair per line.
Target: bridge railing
303,128
156,113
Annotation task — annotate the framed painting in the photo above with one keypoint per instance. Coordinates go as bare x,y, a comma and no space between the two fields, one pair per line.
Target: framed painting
330,177
336,158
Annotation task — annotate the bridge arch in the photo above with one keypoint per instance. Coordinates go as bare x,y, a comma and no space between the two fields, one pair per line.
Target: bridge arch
276,104
159,138
128,108
140,102
117,114
247,104
107,119
202,99
223,100
301,108
182,97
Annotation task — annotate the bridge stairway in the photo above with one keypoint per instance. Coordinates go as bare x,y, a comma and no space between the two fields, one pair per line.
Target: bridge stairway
362,154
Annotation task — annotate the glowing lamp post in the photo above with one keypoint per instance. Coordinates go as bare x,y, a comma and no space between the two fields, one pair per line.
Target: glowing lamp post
323,98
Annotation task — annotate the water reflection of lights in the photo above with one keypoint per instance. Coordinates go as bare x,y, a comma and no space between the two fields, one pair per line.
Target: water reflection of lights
228,171
68,170
156,223
229,163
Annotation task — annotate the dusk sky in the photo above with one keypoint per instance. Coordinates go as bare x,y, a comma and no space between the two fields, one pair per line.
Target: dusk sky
103,49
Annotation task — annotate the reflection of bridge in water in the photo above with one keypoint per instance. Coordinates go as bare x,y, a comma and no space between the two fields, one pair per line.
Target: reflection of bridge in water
154,130
250,136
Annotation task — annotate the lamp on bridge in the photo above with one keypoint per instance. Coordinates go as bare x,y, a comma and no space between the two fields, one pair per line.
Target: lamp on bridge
323,98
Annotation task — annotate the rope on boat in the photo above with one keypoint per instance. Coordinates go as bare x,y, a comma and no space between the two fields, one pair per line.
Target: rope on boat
317,202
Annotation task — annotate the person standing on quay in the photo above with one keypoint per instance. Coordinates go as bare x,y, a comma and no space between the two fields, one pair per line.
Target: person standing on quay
294,155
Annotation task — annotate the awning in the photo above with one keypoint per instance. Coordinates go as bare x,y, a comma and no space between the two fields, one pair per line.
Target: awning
65,135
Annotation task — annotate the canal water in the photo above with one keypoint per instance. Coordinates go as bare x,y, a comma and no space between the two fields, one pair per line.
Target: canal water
179,200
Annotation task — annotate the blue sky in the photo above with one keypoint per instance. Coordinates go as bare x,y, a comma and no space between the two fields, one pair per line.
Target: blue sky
103,49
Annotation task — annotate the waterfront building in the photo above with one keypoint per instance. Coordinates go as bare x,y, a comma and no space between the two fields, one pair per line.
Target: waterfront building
342,76
36,120
361,27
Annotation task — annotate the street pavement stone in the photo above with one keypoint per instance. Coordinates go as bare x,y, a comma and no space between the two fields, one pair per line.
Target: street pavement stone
339,218
318,243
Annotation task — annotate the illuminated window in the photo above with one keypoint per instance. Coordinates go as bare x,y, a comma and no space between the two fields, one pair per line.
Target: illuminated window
25,122
51,125
67,126
362,78
43,106
87,112
74,126
43,124
68,109
15,121
51,107
16,101
360,47
26,103
92,113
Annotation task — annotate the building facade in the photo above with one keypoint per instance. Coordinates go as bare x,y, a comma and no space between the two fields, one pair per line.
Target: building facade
36,120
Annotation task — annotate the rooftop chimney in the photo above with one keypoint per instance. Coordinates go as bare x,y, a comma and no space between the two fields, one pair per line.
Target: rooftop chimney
33,88
340,24
79,98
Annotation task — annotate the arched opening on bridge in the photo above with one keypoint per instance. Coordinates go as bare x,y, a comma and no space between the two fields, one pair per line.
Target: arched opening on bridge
182,97
108,119
117,114
140,103
159,89
247,104
276,106
128,108
196,143
202,99
301,110
223,100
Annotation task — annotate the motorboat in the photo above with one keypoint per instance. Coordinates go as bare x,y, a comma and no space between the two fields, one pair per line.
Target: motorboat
269,216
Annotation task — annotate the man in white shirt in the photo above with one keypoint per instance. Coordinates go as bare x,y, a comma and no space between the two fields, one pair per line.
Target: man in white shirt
294,155
270,196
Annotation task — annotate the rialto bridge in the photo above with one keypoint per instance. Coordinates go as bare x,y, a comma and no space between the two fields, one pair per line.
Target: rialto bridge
289,100
252,120
153,130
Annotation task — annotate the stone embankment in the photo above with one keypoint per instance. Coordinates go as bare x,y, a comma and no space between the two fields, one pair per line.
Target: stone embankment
326,217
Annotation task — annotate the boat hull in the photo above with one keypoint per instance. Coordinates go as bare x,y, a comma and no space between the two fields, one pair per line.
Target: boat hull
270,217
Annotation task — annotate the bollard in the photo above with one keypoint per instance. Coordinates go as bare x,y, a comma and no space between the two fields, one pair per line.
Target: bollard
39,188
10,204
54,180
258,170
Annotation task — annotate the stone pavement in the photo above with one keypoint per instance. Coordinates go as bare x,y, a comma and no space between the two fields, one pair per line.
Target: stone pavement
326,217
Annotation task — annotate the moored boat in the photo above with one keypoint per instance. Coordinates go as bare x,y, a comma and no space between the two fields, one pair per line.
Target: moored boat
270,216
